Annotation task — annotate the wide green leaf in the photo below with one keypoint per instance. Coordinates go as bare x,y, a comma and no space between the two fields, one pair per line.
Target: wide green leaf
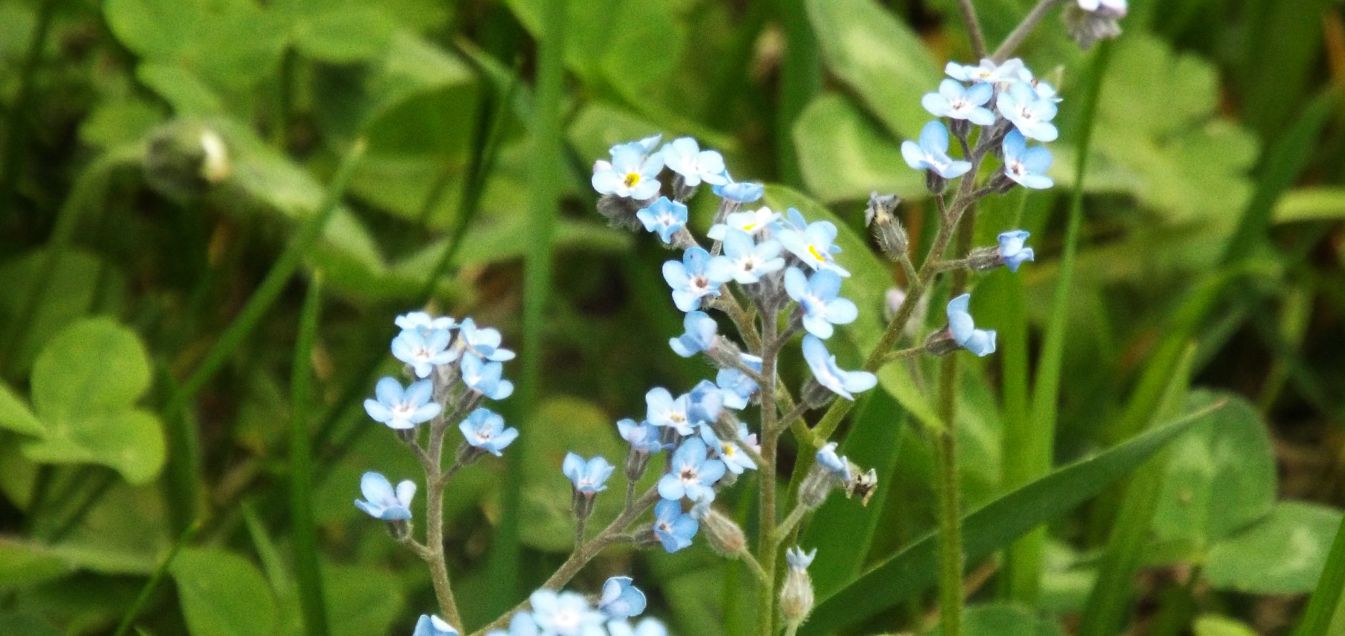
1004,620
912,570
879,58
344,34
222,593
15,414
1282,554
844,155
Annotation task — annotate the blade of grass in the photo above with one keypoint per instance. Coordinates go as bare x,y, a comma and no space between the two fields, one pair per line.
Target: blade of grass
912,570
1110,597
546,160
1033,452
1326,608
800,80
15,130
143,597
303,533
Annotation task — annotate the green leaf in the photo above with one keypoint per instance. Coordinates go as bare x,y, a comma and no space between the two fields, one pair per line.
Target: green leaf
85,385
867,287
152,28
1282,554
68,294
344,33
24,564
844,155
231,43
912,570
222,593
1004,620
362,600
182,88
1218,479
15,415
1215,625
1324,203
877,57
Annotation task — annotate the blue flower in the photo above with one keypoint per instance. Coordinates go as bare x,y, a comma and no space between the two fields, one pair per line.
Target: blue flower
1026,166
685,157
674,528
1028,112
987,71
956,101
665,412
483,342
522,624
423,350
565,614
753,222
642,436
484,378
1012,250
701,332
828,374
664,217
814,245
381,501
978,341
837,465
798,559
931,153
1114,8
692,474
620,598
704,403
632,173
738,191
433,626
424,321
819,299
587,476
690,279
745,261
738,387
402,409
485,429
727,451
646,627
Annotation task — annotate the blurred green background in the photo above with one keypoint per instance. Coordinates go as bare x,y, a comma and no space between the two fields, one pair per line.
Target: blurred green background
378,156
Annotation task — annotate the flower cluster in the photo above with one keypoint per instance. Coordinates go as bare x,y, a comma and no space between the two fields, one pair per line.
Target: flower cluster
571,614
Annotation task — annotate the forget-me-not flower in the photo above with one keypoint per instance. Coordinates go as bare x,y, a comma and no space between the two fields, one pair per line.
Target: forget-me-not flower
565,614
665,412
588,477
691,279
963,329
700,335
620,598
745,261
1117,8
955,101
736,386
818,297
753,222
485,429
485,378
646,627
642,436
727,451
402,408
632,172
704,403
1012,249
987,71
685,157
1028,112
483,342
1026,166
663,217
830,375
433,626
424,350
835,464
521,624
692,473
931,152
673,528
424,321
381,501
739,192
815,245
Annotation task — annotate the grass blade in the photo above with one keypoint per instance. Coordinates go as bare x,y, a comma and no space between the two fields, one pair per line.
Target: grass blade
143,597
1327,605
304,531
913,569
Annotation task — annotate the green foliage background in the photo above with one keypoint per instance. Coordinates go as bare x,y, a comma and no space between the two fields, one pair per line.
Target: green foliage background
165,388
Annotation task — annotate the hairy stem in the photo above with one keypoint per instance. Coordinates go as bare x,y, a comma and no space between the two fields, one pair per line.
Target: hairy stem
434,525
769,441
1024,29
968,11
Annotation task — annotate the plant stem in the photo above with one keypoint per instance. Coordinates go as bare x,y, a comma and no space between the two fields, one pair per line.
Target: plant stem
434,529
755,566
787,526
1023,29
902,354
153,582
769,440
968,11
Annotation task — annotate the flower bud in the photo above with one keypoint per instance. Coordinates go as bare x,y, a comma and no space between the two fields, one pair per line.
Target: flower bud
620,211
935,183
723,535
183,160
796,596
1089,27
636,463
817,484
887,230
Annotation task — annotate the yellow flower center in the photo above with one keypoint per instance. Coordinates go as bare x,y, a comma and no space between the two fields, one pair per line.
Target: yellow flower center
632,178
812,249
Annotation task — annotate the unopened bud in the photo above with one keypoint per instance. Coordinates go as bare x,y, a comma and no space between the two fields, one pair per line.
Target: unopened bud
796,596
620,211
184,159
723,535
817,484
1089,27
887,230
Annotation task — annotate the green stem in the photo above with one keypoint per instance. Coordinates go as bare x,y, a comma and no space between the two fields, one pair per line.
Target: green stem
1024,29
14,128
766,545
973,25
153,582
1327,605
434,519
304,533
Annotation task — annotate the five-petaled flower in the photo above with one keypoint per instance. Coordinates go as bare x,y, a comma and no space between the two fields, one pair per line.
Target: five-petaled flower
744,261
424,349
565,614
1026,166
685,157
663,217
673,528
692,474
699,335
1030,113
632,172
754,222
485,429
814,244
588,477
1012,250
830,375
485,378
819,301
381,501
691,279
665,412
402,408
955,101
931,152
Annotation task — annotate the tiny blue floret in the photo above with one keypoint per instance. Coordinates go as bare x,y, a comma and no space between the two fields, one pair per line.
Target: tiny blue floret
692,474
753,222
632,172
642,436
685,157
485,429
381,501
429,625
590,476
700,335
691,279
955,101
1011,248
665,412
828,374
739,191
815,244
565,614
960,325
818,297
1026,166
744,260
424,349
484,342
798,559
402,408
931,152
672,527
663,217
1030,113
620,598
485,378
835,464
